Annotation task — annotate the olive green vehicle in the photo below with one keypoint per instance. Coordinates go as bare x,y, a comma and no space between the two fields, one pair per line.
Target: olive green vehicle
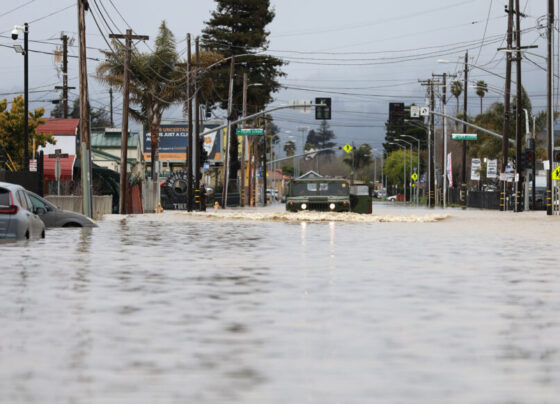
319,194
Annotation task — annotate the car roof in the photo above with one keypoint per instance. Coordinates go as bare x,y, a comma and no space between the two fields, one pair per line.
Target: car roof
10,186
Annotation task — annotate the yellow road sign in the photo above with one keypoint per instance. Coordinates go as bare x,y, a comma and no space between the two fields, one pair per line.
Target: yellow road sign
414,176
347,148
556,174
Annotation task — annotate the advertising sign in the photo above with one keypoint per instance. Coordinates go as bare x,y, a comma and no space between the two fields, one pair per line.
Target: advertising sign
475,169
492,169
173,141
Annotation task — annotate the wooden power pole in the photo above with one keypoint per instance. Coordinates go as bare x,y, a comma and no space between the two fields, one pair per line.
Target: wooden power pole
128,37
84,113
64,87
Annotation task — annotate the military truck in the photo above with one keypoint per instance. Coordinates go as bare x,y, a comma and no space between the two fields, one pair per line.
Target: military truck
319,194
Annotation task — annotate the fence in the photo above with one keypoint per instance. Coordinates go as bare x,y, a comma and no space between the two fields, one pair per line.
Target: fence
475,199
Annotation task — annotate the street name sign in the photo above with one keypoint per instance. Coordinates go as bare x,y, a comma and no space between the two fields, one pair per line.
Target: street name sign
464,136
347,148
249,132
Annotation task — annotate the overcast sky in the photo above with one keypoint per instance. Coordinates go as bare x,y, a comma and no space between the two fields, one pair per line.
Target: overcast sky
362,53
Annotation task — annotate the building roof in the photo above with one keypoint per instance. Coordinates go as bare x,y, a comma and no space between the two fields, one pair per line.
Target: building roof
59,126
111,139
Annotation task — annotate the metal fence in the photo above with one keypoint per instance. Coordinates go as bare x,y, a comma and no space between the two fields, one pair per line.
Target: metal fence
475,199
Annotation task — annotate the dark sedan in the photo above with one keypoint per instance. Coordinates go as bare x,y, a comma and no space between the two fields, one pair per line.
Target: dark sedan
53,216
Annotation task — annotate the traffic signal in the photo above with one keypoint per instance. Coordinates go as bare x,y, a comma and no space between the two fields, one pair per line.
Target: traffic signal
323,112
556,155
530,158
396,113
523,163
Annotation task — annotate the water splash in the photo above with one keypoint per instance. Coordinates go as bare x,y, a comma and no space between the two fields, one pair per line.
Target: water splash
283,216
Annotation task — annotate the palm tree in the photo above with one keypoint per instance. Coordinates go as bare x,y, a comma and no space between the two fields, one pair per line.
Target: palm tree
290,148
456,90
155,82
481,90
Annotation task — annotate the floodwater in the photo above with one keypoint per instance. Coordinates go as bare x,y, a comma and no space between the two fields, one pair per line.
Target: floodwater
240,306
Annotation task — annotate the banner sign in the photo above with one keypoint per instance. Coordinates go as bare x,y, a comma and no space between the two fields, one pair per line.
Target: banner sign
475,169
449,170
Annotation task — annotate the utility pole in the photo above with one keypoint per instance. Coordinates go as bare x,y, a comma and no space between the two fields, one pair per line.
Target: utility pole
464,149
505,139
64,86
549,106
244,140
84,113
196,151
123,189
228,141
190,123
111,106
431,132
518,104
264,162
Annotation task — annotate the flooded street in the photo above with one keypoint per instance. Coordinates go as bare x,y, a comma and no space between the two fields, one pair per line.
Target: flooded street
407,305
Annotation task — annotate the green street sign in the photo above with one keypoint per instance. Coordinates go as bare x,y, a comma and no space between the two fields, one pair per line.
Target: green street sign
249,132
464,136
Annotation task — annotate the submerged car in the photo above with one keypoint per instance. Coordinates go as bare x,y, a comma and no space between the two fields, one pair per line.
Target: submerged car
53,216
330,195
18,217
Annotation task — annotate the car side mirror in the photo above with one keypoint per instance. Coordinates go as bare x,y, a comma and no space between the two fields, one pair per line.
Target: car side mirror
40,211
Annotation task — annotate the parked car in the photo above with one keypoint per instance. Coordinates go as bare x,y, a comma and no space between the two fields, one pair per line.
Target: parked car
272,193
18,217
392,198
53,216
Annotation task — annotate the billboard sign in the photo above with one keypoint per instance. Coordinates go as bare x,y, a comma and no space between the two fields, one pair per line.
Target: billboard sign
173,141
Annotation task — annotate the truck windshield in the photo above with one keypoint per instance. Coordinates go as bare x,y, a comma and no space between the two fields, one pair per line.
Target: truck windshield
320,188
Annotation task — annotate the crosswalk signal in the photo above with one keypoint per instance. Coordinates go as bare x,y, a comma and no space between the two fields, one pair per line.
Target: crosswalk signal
396,113
323,113
556,155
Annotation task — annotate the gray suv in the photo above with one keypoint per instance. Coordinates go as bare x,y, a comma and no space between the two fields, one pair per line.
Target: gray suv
18,218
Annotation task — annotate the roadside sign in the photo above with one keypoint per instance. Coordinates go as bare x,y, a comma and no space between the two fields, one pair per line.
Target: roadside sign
424,111
249,132
464,136
33,165
475,169
556,174
414,111
503,176
492,168
347,148
414,176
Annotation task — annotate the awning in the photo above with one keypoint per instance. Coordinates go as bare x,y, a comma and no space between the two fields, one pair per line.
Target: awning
66,168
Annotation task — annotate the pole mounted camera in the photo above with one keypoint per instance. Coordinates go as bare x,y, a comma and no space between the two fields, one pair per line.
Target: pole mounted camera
15,33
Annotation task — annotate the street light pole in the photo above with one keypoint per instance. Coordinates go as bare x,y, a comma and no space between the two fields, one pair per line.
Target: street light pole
404,167
417,162
410,169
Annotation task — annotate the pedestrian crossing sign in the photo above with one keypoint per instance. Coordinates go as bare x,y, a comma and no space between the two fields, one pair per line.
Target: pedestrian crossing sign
414,176
556,174
347,148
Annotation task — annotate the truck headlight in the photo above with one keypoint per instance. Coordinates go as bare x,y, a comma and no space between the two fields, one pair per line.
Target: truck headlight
303,206
332,206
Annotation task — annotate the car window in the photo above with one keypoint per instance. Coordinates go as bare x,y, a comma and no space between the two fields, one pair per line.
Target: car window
22,200
37,203
5,197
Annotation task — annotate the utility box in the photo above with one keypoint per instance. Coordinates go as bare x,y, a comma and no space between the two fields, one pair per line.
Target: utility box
360,199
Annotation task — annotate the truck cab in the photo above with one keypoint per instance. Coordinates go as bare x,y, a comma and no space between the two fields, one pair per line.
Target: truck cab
318,194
